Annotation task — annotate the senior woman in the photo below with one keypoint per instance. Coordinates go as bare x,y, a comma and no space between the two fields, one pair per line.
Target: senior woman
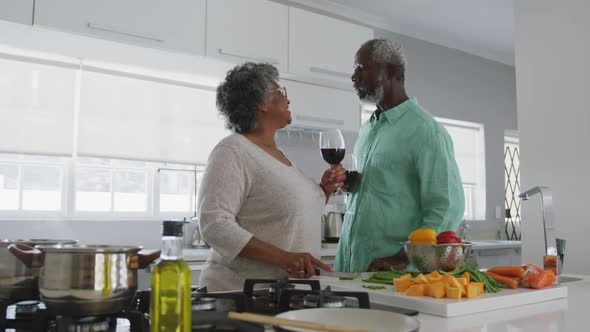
255,206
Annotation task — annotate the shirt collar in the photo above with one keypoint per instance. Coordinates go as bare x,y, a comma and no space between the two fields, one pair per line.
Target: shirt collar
394,113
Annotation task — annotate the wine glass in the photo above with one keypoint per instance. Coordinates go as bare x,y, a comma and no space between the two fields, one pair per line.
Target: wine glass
332,147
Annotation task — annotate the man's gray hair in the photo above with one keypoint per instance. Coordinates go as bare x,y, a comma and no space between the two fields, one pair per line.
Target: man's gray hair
386,51
245,87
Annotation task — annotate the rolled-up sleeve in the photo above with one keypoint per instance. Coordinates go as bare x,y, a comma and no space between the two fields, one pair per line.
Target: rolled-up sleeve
441,191
221,194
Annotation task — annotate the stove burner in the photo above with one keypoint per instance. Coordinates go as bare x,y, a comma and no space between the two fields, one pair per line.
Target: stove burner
280,287
86,324
300,299
204,303
24,309
323,301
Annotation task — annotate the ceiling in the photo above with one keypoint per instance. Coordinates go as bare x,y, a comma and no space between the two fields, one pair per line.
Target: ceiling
480,27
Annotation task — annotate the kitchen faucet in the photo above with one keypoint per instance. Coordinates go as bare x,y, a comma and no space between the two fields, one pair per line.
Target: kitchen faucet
553,245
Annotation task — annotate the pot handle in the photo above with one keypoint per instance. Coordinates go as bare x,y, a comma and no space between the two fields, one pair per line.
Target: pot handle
30,256
141,261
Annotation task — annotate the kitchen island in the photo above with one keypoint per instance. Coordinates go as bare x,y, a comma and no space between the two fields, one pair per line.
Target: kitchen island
567,314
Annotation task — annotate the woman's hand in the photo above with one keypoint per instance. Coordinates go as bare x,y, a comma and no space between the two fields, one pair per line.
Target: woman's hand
301,265
333,178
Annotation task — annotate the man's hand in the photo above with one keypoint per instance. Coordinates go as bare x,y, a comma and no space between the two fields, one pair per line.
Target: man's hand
399,261
333,178
301,265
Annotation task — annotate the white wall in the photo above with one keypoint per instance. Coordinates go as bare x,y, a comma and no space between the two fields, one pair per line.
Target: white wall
552,72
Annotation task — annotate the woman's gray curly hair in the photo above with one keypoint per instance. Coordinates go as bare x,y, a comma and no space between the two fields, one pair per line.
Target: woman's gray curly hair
386,51
245,87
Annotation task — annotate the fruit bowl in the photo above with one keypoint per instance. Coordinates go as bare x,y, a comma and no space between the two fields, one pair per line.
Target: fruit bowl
431,257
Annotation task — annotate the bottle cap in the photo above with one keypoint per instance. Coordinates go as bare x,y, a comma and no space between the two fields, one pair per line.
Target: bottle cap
173,227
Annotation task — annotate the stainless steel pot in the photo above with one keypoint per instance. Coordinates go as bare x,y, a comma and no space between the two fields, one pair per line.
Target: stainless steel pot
18,281
85,280
333,226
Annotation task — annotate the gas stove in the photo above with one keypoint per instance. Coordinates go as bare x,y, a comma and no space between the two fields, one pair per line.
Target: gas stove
209,309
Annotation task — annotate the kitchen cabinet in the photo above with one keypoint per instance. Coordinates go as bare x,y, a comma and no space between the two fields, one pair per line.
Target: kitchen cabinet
254,30
19,11
318,107
323,47
176,25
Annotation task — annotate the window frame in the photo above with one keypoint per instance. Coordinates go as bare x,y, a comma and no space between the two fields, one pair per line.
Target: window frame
67,212
478,188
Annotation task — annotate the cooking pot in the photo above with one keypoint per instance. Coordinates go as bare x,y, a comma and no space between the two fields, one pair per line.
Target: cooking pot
333,226
85,280
18,281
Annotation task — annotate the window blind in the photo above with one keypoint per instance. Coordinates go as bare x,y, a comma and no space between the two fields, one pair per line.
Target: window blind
36,106
132,117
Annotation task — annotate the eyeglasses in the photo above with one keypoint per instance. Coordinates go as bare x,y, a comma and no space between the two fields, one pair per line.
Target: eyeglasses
358,67
282,90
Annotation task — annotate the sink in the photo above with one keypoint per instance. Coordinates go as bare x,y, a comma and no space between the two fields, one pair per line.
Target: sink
494,241
565,279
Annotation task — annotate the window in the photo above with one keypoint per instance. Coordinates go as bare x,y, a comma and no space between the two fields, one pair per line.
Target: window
104,185
31,183
69,123
512,186
97,188
469,143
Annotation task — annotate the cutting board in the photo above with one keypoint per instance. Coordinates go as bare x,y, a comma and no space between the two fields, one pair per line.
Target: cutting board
506,298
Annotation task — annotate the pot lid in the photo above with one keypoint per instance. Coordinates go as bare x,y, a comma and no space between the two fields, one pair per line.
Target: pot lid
34,242
80,248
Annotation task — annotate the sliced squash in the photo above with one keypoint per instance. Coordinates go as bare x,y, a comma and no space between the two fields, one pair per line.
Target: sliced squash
472,291
416,290
463,281
421,279
401,284
454,293
406,276
480,286
437,290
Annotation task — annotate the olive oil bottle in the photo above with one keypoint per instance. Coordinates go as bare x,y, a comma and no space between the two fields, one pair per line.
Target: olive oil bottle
170,299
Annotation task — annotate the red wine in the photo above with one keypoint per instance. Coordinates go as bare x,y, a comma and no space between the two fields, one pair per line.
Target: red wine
333,156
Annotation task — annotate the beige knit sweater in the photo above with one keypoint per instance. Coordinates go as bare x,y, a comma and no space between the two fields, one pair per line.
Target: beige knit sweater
246,192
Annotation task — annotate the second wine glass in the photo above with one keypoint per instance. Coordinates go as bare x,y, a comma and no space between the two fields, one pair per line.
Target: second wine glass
332,146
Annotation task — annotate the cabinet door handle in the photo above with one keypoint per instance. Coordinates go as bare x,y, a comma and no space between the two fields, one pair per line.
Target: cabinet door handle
255,58
98,27
319,120
329,72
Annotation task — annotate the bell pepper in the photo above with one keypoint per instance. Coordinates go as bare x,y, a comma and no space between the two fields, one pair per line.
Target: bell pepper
447,237
423,236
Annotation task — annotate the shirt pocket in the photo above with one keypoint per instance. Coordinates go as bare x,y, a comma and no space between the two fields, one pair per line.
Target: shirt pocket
384,174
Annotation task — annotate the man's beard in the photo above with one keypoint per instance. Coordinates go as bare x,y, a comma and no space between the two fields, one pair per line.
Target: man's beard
376,96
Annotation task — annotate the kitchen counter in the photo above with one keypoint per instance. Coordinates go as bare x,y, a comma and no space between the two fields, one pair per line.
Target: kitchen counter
568,314
329,249
195,255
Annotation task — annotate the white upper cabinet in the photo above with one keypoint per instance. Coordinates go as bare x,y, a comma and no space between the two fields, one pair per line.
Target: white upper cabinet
322,46
314,106
253,30
20,11
176,25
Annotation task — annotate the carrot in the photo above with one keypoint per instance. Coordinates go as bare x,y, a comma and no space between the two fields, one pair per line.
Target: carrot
542,280
508,281
508,271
